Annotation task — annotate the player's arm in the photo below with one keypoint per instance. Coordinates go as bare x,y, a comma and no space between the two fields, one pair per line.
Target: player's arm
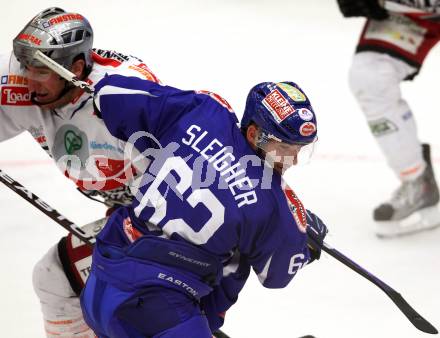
225,294
130,104
282,247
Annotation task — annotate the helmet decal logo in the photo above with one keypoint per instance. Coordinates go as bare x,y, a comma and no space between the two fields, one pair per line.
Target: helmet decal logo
305,114
294,93
31,38
278,105
72,142
62,18
307,129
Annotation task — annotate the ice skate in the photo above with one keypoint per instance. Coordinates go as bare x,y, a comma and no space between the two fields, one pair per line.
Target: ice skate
413,206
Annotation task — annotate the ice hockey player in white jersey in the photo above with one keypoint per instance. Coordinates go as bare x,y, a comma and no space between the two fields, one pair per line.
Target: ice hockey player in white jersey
394,42
61,119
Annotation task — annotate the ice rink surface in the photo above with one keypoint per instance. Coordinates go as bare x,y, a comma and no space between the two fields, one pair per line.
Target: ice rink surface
228,46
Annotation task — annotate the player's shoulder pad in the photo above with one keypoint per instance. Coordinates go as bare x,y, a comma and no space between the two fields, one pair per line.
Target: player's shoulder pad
116,84
219,99
125,64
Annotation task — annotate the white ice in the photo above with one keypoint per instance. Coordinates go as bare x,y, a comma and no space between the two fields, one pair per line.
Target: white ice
228,46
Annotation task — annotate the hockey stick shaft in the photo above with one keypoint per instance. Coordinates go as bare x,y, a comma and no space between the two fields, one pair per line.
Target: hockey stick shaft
46,208
417,320
61,71
57,217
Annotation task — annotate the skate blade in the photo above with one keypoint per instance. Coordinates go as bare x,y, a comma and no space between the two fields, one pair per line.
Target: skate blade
424,219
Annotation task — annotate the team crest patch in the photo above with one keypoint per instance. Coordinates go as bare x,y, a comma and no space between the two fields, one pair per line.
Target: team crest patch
297,209
278,105
294,93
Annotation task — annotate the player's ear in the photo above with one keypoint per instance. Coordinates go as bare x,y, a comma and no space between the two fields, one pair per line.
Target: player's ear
78,68
251,134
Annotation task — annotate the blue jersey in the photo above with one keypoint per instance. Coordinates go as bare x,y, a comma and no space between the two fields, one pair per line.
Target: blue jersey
205,185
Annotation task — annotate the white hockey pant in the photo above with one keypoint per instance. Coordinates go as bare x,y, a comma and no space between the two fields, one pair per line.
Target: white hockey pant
375,79
59,303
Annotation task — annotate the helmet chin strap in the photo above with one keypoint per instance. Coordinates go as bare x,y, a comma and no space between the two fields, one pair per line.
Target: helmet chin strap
67,87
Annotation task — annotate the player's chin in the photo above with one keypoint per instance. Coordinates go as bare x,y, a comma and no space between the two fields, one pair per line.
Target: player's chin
51,102
41,98
279,168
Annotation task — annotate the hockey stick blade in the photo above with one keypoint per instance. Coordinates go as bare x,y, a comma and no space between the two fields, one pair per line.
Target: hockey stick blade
46,208
417,320
219,334
63,72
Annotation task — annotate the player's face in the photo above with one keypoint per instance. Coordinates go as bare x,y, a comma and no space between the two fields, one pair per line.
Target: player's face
282,155
44,84
279,154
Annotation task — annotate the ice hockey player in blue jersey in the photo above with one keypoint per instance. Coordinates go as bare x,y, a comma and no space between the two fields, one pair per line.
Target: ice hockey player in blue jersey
209,208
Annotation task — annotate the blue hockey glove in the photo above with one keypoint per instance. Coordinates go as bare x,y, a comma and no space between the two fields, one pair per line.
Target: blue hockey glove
316,231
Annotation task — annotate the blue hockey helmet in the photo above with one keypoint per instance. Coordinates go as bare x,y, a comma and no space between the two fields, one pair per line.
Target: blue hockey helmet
281,110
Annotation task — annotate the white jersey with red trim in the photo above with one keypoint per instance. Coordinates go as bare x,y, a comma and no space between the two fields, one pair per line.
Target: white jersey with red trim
73,135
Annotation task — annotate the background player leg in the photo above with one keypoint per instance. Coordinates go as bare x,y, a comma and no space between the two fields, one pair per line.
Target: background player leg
375,81
59,303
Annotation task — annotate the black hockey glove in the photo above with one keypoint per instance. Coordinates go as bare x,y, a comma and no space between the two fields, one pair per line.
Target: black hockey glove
316,231
367,8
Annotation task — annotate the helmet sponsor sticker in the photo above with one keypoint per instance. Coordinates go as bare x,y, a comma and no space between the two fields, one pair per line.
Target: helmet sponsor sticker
16,96
294,93
62,18
307,129
305,114
278,105
297,209
31,38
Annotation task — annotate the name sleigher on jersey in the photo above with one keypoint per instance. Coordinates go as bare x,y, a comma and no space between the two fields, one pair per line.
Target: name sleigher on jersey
224,162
